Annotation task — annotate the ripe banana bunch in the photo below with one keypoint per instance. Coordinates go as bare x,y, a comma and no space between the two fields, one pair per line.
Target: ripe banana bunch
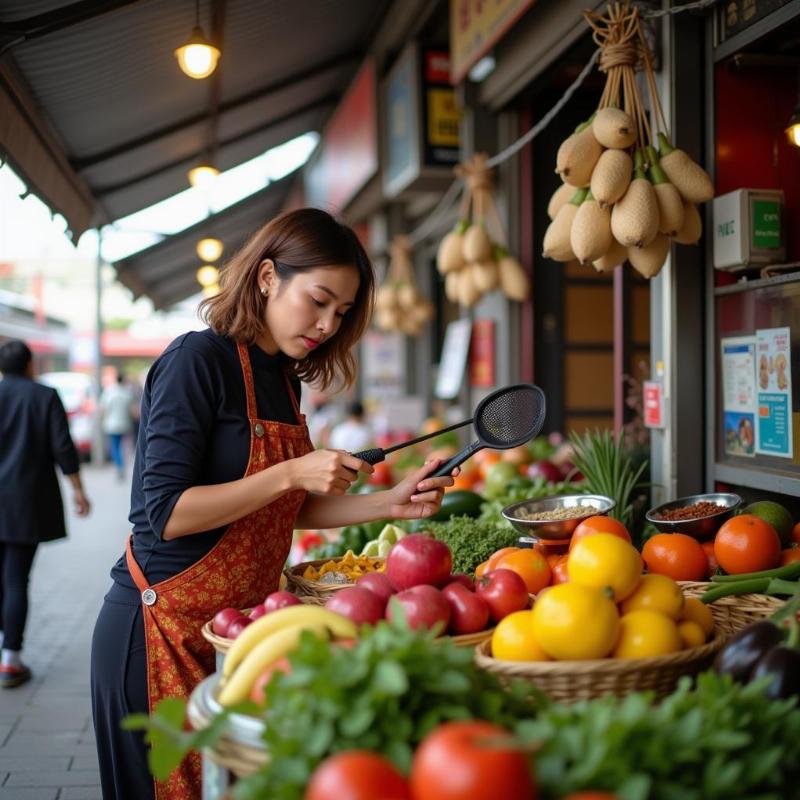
270,638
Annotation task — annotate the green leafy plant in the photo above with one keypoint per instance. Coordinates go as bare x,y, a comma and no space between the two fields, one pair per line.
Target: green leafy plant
471,541
608,470
491,510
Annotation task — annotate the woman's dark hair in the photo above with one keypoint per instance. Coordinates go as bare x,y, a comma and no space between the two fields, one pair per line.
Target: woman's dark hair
297,241
15,356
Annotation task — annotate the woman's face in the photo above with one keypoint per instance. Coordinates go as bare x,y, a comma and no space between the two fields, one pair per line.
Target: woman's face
304,311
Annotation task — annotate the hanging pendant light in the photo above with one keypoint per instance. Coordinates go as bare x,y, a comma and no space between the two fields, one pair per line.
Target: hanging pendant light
209,249
793,131
210,291
208,275
203,176
198,57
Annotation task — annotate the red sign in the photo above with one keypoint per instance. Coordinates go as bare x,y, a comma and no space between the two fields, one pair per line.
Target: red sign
653,404
348,153
481,353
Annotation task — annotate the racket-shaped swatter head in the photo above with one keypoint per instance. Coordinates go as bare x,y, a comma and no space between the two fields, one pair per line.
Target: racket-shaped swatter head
506,418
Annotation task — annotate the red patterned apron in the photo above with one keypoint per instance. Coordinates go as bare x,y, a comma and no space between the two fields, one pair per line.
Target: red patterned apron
239,571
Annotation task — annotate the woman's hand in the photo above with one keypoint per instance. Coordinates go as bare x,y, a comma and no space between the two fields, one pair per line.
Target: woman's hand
418,496
327,471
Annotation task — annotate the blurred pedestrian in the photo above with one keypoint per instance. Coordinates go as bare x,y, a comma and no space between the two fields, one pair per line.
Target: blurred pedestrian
321,418
115,403
353,434
34,437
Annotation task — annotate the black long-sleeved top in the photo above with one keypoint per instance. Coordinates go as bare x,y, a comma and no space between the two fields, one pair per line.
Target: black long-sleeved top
194,431
34,438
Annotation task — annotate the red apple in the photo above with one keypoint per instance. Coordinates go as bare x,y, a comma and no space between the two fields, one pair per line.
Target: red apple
468,612
503,591
237,626
424,606
278,600
547,470
418,559
463,579
260,684
378,583
358,604
223,619
257,611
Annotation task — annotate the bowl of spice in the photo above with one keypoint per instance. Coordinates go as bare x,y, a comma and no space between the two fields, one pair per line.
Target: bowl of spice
555,518
698,515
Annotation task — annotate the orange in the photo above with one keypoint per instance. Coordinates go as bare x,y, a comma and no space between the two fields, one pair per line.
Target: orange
790,555
676,555
692,635
599,524
482,569
491,458
466,480
796,533
495,557
530,565
747,544
694,610
708,549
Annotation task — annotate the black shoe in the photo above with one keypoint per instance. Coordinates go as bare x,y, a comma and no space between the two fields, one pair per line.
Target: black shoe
14,676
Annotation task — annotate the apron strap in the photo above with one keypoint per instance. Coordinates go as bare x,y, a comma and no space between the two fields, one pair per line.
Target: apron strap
293,396
249,386
134,569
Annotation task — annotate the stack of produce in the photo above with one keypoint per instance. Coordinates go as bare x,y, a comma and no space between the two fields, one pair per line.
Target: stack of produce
399,304
622,198
474,257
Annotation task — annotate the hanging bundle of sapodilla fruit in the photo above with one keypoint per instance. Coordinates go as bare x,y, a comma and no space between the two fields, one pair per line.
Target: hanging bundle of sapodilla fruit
399,304
626,193
474,257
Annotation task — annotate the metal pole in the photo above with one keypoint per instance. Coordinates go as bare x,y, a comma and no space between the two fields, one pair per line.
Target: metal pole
98,444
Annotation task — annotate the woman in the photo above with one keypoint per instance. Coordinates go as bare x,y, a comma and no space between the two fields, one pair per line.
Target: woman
225,471
34,437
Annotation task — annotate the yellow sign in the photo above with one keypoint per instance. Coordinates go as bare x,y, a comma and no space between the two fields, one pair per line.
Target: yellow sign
443,116
476,26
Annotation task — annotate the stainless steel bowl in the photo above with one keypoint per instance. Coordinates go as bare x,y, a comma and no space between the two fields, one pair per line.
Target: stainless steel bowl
556,529
701,528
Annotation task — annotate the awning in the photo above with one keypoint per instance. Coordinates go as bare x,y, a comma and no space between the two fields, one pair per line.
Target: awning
97,118
166,272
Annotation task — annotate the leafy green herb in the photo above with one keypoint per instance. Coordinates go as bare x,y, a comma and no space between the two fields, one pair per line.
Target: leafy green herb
471,541
491,511
718,741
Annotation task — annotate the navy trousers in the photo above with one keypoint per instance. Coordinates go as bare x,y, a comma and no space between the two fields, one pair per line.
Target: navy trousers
16,561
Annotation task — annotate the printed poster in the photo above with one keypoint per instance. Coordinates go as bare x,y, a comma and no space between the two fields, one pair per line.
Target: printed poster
739,395
774,371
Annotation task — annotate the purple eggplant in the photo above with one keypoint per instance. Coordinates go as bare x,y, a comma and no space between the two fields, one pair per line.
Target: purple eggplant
782,665
741,654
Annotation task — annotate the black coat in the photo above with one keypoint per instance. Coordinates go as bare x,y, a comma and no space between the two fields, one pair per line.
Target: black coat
34,437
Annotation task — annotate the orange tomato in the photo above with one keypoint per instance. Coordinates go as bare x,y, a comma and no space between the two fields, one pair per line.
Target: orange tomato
796,533
708,549
464,481
559,571
677,555
495,557
552,559
491,458
482,569
530,565
747,544
790,555
599,524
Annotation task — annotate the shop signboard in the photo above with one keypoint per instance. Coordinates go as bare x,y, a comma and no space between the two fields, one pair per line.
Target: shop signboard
737,15
382,365
738,360
653,403
422,119
482,354
348,154
454,359
475,27
774,369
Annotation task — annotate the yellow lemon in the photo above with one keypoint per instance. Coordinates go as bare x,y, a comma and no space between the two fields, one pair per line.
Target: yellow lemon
575,622
643,634
691,634
604,561
695,610
656,593
513,639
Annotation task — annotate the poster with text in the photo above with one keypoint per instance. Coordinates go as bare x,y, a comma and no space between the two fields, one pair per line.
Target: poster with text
739,395
774,375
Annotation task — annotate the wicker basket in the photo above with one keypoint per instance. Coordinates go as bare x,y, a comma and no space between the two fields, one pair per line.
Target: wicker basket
302,587
732,613
568,681
468,639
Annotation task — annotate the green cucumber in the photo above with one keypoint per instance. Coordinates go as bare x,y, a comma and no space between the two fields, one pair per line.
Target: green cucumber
458,503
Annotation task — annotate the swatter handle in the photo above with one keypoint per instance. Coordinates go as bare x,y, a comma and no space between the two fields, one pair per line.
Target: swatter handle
458,459
374,456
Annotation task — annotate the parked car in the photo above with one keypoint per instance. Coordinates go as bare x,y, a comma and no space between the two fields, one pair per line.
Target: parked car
77,393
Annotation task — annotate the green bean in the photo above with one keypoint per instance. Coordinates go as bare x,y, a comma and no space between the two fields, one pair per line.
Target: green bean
788,571
779,586
752,585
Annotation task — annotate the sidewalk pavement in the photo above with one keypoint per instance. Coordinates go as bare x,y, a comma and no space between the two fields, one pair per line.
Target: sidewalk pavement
47,749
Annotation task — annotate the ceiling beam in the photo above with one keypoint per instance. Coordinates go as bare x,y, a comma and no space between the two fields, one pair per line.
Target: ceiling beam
24,30
103,191
339,61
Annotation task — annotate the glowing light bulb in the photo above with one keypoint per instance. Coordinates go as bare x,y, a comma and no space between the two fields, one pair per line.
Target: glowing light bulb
198,57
